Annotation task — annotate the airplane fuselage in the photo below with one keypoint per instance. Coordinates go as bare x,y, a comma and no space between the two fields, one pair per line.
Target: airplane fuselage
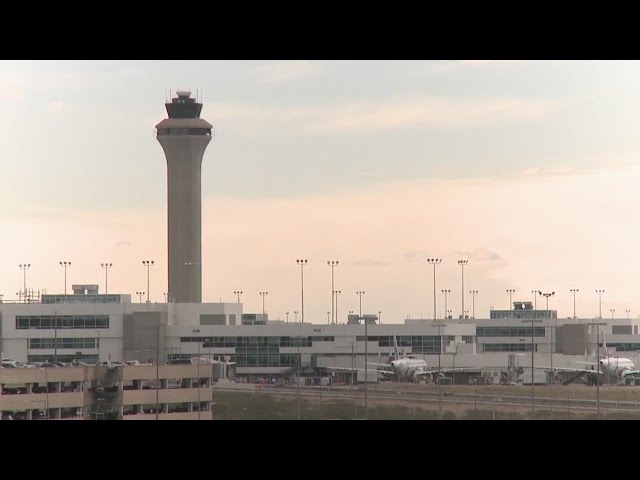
408,367
616,366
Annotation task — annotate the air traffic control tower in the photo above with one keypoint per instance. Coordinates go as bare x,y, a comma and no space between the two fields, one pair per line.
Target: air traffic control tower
184,136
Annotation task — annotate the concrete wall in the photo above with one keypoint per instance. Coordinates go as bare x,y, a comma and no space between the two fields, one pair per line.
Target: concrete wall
145,336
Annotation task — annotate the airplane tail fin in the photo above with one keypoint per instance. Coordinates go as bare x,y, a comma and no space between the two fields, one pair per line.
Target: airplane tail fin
395,346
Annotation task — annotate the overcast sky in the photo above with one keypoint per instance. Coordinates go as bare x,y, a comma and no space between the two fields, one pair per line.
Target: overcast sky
527,169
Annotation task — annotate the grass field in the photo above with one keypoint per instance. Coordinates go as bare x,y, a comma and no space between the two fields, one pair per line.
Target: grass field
274,405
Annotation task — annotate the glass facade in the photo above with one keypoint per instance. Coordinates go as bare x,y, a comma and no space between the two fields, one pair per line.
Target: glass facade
418,344
507,347
509,331
248,342
495,314
46,298
50,322
42,343
63,358
625,347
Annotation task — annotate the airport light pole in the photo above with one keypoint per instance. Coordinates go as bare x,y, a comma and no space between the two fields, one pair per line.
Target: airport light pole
548,315
533,349
287,313
302,263
439,324
190,265
366,357
298,379
462,263
65,265
106,267
574,291
332,264
140,294
24,267
599,292
473,301
295,313
336,293
379,317
510,291
628,312
612,310
446,292
238,293
263,294
148,264
434,262
328,317
535,299
597,325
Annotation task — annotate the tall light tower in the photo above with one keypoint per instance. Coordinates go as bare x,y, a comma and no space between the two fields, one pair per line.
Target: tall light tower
473,297
548,315
184,137
600,292
24,267
332,264
535,299
446,312
366,357
574,291
148,264
238,293
263,294
510,291
190,266
302,263
106,267
65,265
462,263
337,293
434,262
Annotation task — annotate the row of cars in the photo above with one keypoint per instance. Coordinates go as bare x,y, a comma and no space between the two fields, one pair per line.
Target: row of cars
10,363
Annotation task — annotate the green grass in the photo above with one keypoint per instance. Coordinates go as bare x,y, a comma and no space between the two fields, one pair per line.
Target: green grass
263,406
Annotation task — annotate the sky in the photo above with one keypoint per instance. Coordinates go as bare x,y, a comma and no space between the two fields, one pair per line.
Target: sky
528,169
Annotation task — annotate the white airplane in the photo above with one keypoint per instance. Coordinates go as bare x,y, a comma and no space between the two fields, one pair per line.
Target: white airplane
610,366
406,367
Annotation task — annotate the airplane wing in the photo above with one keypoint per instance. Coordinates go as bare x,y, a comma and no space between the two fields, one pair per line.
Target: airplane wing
347,369
445,370
631,373
567,369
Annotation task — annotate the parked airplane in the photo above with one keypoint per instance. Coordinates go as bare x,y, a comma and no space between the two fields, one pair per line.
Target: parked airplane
611,366
406,367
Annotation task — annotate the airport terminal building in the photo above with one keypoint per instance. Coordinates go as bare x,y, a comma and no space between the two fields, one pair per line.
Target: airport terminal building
91,327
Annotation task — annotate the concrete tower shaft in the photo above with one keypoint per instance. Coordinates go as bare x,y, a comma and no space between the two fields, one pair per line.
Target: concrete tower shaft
184,138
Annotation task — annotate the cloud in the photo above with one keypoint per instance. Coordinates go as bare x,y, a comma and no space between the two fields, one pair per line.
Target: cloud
56,106
479,255
283,72
368,262
373,116
411,255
